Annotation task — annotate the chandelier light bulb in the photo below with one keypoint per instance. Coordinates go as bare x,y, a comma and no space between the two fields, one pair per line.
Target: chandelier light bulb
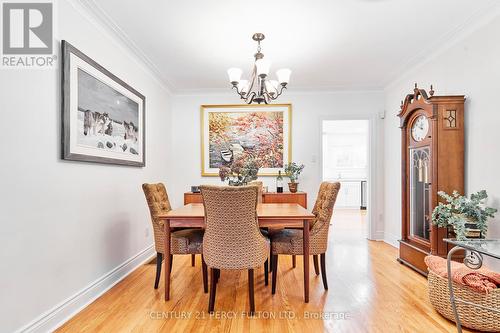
283,75
234,75
262,67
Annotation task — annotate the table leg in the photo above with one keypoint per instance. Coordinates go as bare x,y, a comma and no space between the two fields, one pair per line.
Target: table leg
168,262
450,287
306,260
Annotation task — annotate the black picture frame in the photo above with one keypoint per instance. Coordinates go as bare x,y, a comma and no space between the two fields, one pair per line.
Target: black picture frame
67,150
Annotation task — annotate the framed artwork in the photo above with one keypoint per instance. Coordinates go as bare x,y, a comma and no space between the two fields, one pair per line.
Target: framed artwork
234,132
102,116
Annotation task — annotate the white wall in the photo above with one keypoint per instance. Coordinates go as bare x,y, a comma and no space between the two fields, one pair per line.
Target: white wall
307,111
66,224
470,66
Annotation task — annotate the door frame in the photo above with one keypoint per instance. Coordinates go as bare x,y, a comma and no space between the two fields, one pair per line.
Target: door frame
374,181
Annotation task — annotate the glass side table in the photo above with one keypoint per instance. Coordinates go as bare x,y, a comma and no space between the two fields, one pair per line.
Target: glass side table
475,249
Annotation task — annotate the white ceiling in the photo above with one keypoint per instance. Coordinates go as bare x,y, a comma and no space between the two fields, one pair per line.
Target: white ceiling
328,44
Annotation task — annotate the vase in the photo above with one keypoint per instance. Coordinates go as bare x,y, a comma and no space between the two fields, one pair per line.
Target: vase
471,229
293,187
237,183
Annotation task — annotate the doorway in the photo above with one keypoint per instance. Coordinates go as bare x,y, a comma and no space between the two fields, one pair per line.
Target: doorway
345,158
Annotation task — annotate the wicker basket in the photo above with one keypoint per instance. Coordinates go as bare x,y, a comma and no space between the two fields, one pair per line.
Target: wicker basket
470,316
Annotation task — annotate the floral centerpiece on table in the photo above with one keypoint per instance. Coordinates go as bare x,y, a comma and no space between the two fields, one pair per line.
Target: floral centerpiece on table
240,172
292,171
467,216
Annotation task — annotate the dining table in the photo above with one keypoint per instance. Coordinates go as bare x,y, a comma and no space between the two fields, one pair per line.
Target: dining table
270,215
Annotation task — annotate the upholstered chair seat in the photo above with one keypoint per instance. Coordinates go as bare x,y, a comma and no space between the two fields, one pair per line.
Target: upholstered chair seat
290,241
184,241
187,241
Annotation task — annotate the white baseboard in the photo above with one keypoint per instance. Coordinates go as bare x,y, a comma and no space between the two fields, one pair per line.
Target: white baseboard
58,315
391,240
377,236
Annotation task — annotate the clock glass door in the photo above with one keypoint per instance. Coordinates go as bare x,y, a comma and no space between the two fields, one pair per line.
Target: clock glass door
420,193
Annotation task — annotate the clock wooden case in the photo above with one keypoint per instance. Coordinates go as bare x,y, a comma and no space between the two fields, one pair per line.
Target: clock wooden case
432,160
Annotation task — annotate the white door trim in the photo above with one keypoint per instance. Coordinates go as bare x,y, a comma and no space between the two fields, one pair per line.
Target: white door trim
374,232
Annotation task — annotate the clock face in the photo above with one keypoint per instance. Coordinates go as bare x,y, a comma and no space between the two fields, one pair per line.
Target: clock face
420,128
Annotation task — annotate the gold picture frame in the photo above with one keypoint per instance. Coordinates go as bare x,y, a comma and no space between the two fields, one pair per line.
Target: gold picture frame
207,167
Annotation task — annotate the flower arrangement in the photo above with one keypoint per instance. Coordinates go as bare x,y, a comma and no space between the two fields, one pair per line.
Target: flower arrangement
465,215
240,172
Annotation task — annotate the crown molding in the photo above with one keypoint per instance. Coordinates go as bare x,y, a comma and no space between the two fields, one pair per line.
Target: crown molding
476,20
100,17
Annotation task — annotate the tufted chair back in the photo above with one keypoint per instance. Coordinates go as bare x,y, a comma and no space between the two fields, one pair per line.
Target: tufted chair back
232,236
323,208
158,203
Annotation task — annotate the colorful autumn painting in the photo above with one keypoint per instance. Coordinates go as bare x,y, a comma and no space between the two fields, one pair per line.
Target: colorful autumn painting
253,133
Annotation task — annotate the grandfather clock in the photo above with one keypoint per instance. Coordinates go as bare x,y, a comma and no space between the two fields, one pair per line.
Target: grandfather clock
432,160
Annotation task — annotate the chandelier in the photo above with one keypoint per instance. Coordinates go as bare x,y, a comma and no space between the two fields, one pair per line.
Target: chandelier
259,89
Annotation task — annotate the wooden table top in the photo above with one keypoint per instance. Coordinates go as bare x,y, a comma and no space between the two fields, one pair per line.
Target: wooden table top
278,211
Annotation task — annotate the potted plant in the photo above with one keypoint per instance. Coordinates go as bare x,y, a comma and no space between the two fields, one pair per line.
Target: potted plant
467,216
292,171
240,172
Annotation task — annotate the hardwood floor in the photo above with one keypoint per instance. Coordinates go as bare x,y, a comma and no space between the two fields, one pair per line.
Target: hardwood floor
369,291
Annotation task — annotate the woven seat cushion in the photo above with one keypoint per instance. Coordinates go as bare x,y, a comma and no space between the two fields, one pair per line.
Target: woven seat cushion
287,241
187,241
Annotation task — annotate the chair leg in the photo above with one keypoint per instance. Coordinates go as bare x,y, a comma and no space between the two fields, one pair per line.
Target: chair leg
316,266
266,273
274,261
251,292
294,261
323,271
193,258
213,288
205,275
271,258
171,262
217,275
159,259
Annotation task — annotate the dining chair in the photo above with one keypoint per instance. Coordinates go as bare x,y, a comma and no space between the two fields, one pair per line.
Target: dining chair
233,240
184,241
290,241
